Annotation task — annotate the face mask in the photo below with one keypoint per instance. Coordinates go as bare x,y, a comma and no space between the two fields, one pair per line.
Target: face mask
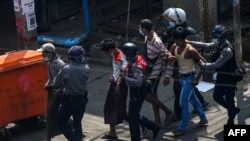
112,55
171,25
140,31
82,60
46,58
215,40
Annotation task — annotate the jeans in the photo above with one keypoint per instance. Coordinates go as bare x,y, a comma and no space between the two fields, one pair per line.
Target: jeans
136,100
188,94
72,106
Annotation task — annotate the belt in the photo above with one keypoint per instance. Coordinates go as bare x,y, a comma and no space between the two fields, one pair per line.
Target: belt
186,74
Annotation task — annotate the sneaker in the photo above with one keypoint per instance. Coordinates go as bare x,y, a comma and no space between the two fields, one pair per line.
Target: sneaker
156,131
201,124
178,132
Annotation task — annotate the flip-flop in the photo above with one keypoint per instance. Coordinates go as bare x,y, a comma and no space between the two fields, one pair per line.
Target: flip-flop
107,136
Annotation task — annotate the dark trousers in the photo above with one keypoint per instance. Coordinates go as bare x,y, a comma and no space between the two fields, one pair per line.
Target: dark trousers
53,103
224,93
72,106
134,119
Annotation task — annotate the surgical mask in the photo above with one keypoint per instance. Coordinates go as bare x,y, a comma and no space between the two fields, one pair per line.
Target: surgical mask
215,40
112,55
83,59
171,25
140,31
46,58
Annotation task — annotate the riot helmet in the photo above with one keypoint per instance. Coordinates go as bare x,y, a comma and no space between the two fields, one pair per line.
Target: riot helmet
130,50
219,31
166,13
178,15
76,53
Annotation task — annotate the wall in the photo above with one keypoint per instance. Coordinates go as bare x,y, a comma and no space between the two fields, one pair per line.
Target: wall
8,40
201,14
49,11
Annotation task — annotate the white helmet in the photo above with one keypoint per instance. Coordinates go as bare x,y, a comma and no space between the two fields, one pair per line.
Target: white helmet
166,12
178,15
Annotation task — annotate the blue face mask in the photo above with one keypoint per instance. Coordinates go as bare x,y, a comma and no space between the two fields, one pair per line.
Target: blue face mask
215,40
171,25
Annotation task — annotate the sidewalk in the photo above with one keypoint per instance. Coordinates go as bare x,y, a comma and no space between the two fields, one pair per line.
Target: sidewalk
94,126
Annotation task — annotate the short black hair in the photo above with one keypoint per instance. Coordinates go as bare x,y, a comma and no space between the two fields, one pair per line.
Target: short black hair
180,33
108,44
147,24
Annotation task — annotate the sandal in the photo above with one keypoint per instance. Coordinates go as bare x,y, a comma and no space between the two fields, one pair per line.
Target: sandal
107,136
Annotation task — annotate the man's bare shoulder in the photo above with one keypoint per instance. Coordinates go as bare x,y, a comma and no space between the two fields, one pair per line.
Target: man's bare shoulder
191,48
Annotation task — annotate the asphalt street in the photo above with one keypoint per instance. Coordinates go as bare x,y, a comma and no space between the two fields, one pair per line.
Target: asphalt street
94,127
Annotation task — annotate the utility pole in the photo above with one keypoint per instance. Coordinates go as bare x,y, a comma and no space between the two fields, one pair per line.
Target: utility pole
25,24
237,31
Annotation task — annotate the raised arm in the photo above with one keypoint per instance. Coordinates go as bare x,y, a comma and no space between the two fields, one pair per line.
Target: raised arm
201,45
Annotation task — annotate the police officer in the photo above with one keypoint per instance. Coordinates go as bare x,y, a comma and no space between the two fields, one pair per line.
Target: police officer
73,77
138,89
224,63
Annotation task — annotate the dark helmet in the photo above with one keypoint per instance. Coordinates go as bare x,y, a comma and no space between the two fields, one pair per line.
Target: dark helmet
107,44
76,53
219,31
130,50
190,30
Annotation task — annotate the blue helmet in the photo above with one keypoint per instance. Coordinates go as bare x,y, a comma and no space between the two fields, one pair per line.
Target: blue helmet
219,31
130,50
76,53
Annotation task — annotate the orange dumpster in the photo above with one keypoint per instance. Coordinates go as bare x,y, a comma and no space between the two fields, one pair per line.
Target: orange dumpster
22,78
